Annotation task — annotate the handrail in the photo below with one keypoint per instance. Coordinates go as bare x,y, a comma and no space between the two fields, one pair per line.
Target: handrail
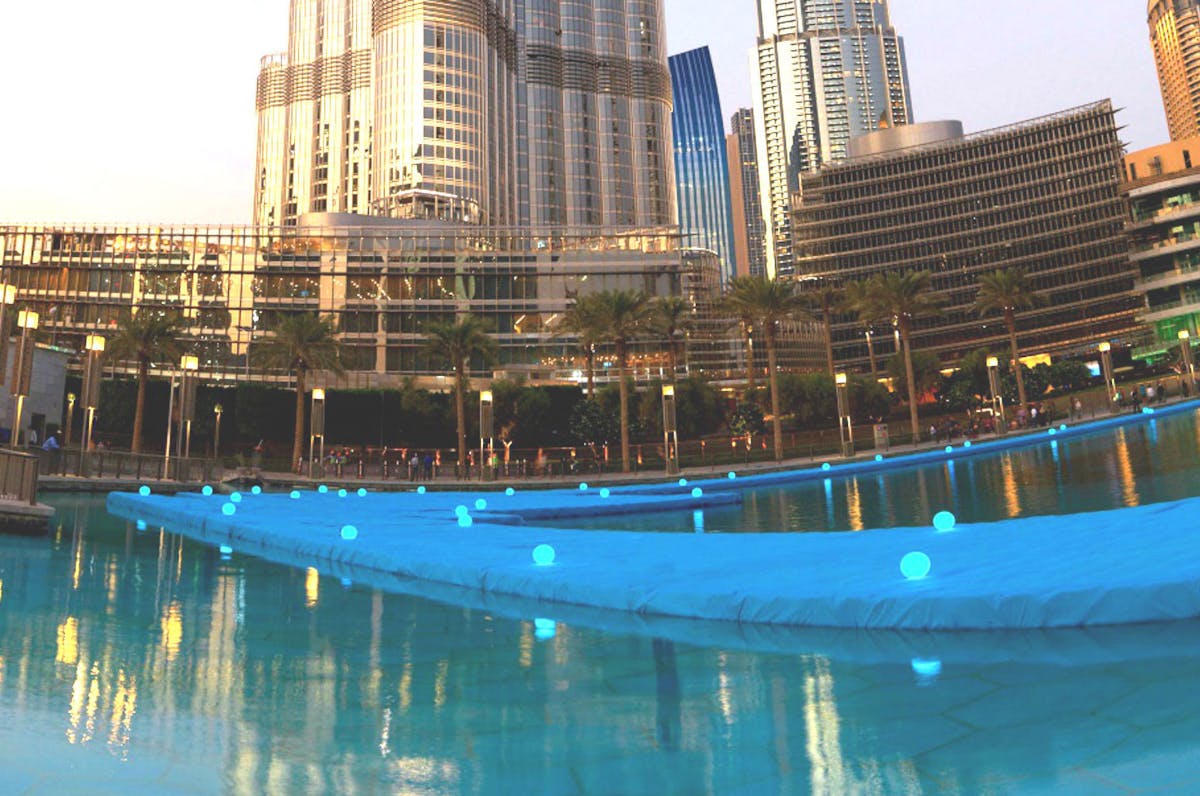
18,476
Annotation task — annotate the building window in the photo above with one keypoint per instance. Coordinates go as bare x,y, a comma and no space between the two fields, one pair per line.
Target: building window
1187,159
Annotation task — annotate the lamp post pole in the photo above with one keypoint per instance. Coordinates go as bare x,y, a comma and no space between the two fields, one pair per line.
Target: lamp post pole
94,345
1110,381
845,421
316,429
670,430
70,419
1189,362
993,366
218,410
486,429
22,374
188,367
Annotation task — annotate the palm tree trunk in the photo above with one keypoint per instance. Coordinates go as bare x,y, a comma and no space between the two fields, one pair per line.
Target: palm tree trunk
871,354
623,392
590,357
143,375
829,343
460,409
750,386
912,382
298,431
672,358
1010,320
776,421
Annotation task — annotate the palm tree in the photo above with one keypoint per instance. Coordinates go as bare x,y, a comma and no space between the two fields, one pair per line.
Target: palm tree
824,300
456,344
856,300
145,337
670,317
1008,290
300,343
580,322
905,297
767,303
624,315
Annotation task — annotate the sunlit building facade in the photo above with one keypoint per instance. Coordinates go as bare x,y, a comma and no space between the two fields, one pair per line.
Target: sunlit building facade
749,234
1041,195
1175,39
493,112
824,71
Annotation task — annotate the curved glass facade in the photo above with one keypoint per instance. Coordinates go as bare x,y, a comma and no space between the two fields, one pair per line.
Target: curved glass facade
1175,39
701,162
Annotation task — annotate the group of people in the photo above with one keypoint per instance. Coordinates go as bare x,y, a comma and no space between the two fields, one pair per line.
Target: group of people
1141,395
423,467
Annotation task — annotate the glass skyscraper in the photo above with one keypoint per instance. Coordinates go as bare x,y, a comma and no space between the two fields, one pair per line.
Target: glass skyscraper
824,72
1175,39
701,165
749,234
496,112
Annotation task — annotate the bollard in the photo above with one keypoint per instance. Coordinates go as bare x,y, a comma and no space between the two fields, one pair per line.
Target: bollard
361,469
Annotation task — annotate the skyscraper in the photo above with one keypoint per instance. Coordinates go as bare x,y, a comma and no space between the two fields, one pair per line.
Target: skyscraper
1175,38
749,235
824,71
701,166
499,112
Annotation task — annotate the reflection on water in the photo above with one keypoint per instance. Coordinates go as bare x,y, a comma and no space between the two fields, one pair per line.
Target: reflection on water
141,661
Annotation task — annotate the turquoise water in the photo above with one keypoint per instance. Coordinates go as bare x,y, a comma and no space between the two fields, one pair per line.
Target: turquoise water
1144,463
141,662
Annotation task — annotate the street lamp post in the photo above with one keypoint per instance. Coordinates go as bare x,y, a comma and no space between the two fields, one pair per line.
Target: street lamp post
70,419
670,431
22,373
1110,381
8,295
94,345
486,430
845,421
1185,348
871,355
993,366
188,366
218,410
316,430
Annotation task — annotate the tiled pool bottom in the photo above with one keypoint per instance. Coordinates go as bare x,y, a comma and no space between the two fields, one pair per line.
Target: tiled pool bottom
144,663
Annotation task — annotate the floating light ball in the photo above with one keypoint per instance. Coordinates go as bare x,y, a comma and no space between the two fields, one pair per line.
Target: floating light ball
879,457
683,482
544,629
480,504
604,493
697,492
949,449
206,491
1148,410
732,476
915,566
583,487
295,495
1063,427
225,550
342,493
826,467
144,490
944,521
1053,431
322,489
420,490
361,492
256,490
465,521
349,533
543,555
228,509
967,444
510,492
461,510
141,525
235,497
923,667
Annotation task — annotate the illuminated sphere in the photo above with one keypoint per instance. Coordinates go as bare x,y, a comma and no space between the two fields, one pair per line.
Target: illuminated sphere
141,525
1148,410
604,493
967,444
583,487
944,521
732,475
228,509
826,466
915,566
949,449
361,492
226,550
510,491
295,495
1053,431
543,555
206,491
1063,427
461,510
342,493
926,668
697,492
256,490
322,489
683,482
235,497
480,504
544,629
420,490
349,533
465,521
144,491
879,457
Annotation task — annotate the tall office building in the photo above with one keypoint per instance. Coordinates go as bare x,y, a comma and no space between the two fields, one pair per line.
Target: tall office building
1175,38
701,165
749,235
824,72
497,112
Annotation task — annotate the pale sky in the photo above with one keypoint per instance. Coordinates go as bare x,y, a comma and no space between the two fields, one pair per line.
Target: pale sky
143,110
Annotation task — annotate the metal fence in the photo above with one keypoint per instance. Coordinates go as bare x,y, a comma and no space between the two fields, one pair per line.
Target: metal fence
121,464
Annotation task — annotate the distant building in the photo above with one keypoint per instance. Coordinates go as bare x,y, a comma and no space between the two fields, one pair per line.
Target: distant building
1042,195
1175,39
749,233
824,72
701,166
1163,191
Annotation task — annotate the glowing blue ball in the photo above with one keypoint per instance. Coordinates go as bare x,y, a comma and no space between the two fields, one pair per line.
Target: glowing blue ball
420,490
967,444
461,510
732,475
944,521
256,490
141,525
480,504
228,509
879,457
510,491
949,449
347,583
295,495
226,550
206,491
361,492
583,487
349,533
235,497
1147,410
683,482
926,668
915,566
697,492
322,489
543,555
144,491
544,629
1053,431
826,466
1063,427
342,493
465,521
604,493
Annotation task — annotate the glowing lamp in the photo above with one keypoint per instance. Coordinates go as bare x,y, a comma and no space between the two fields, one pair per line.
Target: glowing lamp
583,487
322,489
318,393
1063,427
228,509
256,490
189,362
879,457
1053,432
915,566
342,493
1105,348
543,555
235,497
141,525
697,492
461,511
144,490
480,504
1147,410
94,342
9,294
732,476
826,467
486,396
510,492
1184,334
295,494
949,449
926,667
420,490
683,482
349,533
840,379
206,491
27,319
465,521
944,521
967,444
668,391
604,493
225,550
361,492
544,629
993,362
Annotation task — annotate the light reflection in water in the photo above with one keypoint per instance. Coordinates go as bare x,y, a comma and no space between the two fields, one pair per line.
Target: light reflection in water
1129,491
1012,493
312,588
854,505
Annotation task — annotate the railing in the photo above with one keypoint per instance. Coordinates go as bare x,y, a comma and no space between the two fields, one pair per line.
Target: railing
119,464
18,476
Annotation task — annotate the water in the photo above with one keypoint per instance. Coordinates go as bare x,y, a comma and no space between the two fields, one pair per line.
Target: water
1136,465
141,662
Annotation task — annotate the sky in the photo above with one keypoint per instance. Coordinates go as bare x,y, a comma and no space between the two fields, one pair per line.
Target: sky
143,110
